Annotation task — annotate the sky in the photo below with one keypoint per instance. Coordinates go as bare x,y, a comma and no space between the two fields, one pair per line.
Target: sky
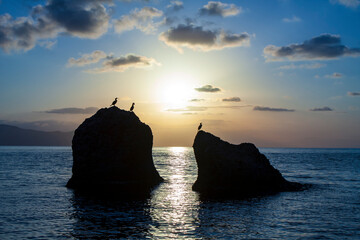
277,73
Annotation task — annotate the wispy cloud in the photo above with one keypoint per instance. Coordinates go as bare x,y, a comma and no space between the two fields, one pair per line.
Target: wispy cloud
347,3
88,110
175,6
354,94
197,38
303,66
322,109
49,44
220,9
208,89
197,100
86,59
230,107
140,19
112,63
188,109
334,75
270,109
292,20
325,46
232,99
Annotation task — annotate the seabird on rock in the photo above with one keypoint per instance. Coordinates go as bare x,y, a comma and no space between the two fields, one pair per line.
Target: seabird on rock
114,102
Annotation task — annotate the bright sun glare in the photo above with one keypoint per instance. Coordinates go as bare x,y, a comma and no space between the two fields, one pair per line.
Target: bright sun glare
176,90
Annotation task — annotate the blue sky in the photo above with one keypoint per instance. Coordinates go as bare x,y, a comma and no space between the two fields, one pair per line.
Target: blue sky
280,72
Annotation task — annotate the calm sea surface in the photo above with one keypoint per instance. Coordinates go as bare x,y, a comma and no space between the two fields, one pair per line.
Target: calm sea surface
34,202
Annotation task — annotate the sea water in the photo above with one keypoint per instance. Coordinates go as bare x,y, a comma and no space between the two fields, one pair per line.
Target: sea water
34,202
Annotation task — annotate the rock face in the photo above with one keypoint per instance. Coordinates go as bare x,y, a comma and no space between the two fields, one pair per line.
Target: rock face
241,170
112,151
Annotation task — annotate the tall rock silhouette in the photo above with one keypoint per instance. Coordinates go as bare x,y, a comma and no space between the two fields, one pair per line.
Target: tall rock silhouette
112,152
241,170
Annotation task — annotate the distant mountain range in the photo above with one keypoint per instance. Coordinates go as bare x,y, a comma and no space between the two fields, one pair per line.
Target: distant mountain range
14,136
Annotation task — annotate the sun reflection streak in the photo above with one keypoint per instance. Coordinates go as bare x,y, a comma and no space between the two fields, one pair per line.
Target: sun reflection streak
178,150
176,206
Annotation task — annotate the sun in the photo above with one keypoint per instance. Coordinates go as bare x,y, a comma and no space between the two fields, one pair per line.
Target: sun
177,90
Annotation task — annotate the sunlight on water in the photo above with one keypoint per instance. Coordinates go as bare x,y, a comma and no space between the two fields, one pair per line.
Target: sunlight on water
35,204
173,207
179,151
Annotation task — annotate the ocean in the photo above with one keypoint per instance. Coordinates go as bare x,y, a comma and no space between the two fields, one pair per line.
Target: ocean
35,204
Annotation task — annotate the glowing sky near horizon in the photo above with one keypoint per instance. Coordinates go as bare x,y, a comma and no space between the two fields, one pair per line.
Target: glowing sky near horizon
278,73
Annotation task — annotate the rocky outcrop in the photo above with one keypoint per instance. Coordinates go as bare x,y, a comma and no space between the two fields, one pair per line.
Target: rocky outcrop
112,152
241,170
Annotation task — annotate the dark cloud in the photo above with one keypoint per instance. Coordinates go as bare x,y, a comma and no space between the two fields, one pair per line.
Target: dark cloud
322,109
140,19
353,93
175,6
23,33
188,109
111,63
197,38
81,18
325,46
190,35
208,88
89,110
232,99
169,20
219,9
120,64
197,100
269,109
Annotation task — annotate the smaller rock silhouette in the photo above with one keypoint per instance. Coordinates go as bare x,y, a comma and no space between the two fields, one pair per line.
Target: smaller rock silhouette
227,170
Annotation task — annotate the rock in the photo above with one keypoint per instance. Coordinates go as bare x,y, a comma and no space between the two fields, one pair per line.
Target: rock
112,152
241,170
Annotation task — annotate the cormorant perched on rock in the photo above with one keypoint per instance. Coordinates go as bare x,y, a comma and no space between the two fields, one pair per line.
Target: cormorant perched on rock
114,102
199,127
132,107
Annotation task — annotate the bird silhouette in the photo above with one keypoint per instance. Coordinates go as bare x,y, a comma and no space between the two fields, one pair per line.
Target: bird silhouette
114,102
199,127
132,107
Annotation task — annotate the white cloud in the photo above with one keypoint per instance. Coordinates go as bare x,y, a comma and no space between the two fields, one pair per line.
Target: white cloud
140,19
